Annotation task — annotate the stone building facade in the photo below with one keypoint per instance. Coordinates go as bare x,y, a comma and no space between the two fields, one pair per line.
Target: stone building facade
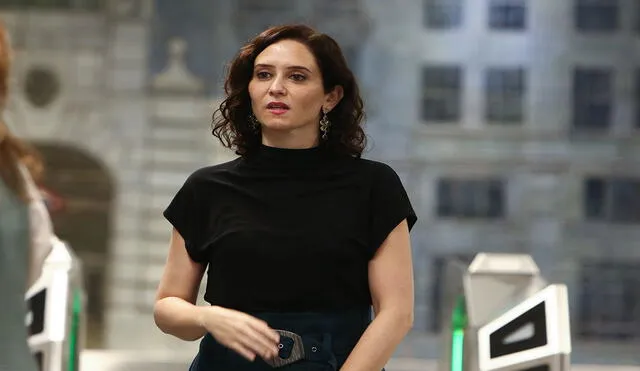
512,123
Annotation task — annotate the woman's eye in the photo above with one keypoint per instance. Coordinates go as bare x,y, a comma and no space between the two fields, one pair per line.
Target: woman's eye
298,77
262,75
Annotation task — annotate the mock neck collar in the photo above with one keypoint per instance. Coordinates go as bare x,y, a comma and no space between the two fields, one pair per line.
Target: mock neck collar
276,157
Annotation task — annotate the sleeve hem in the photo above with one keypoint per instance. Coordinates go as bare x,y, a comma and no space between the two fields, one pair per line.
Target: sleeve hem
197,258
380,237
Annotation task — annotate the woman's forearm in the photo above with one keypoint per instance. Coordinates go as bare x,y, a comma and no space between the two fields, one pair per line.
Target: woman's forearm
179,318
379,341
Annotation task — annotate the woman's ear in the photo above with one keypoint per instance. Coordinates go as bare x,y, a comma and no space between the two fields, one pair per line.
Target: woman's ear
332,98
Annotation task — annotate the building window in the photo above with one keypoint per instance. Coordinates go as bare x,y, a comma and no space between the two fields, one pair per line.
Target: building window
609,300
443,14
441,93
597,15
615,200
592,98
507,15
446,281
471,198
505,90
53,4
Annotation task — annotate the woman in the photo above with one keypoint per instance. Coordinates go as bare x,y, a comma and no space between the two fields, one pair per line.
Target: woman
25,230
300,234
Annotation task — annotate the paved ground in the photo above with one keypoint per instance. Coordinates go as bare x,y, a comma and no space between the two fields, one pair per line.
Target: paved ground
117,361
112,361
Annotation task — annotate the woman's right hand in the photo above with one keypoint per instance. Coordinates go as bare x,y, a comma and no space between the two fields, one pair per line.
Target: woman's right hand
245,334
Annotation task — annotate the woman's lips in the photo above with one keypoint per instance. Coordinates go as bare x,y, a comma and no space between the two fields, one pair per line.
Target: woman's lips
277,108
278,111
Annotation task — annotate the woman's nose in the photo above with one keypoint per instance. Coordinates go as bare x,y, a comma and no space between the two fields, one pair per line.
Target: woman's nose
277,87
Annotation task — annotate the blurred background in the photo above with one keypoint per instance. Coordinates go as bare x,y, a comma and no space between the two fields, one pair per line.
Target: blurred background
514,125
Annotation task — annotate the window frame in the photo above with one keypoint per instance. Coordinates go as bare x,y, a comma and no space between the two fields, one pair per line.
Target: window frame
510,91
502,15
443,14
444,91
593,89
471,198
585,11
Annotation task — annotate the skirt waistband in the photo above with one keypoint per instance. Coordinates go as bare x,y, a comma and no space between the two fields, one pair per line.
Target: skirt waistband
345,327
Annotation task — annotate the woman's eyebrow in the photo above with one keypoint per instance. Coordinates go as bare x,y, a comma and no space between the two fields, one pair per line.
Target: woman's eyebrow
292,67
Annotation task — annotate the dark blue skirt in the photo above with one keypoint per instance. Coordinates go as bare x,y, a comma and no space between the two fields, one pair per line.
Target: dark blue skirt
329,338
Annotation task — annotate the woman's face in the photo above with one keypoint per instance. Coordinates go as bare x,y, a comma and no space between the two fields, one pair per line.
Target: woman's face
286,90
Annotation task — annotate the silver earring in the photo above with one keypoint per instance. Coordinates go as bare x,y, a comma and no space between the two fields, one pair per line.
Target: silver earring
324,124
253,122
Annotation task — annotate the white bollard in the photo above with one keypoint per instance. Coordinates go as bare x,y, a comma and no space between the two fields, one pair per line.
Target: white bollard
56,304
505,317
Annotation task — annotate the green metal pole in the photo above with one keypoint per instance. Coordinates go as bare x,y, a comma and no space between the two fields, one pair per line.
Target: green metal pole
75,331
458,325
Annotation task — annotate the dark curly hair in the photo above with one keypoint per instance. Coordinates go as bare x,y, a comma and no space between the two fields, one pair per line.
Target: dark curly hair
231,120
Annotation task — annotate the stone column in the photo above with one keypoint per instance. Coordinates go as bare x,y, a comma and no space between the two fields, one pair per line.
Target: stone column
126,81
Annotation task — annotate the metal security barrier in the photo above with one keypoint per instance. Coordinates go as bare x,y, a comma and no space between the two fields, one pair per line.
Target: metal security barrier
505,317
56,304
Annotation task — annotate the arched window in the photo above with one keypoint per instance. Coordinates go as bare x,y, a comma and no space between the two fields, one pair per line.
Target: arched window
79,192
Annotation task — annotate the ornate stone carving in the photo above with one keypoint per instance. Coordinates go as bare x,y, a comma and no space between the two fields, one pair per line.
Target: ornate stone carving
176,77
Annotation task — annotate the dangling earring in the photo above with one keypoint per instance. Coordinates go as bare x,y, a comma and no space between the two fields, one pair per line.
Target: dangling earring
253,122
324,124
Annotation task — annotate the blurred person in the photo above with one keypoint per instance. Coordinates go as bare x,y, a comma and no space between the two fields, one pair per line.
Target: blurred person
301,236
25,232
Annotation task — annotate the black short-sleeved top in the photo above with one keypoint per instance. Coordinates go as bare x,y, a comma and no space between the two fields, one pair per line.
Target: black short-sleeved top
289,229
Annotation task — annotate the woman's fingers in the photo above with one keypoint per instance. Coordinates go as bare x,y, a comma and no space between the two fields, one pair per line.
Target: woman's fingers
266,331
247,335
258,342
